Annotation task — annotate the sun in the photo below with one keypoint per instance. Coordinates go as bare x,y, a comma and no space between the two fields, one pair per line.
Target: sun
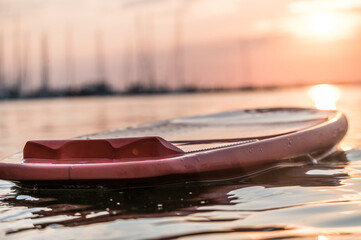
322,23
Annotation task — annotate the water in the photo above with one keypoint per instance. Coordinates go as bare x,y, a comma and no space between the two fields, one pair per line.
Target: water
310,201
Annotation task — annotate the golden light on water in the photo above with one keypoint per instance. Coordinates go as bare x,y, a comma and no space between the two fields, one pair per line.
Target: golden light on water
324,96
322,237
345,148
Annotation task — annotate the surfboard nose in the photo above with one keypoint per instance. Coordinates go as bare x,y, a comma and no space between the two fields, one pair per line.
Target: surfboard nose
119,148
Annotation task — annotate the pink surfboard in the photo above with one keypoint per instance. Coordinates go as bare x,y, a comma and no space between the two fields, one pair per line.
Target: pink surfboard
207,147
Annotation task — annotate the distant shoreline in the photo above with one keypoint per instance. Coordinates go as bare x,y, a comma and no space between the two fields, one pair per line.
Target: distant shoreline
102,89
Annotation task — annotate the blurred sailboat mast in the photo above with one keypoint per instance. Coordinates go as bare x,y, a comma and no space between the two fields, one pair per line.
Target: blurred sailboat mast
2,68
150,56
139,69
145,68
100,57
44,48
25,62
69,58
17,57
246,63
179,45
128,64
178,48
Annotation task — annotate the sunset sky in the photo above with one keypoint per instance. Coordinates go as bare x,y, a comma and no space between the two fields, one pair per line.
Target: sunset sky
207,43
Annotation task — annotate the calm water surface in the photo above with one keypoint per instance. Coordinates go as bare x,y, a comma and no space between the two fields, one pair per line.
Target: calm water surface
321,201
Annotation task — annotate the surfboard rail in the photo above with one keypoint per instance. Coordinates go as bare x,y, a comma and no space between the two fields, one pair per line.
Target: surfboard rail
154,157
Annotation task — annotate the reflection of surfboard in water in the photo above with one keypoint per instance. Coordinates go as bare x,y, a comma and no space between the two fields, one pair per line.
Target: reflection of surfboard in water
208,147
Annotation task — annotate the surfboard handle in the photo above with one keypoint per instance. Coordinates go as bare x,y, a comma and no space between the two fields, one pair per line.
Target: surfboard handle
118,148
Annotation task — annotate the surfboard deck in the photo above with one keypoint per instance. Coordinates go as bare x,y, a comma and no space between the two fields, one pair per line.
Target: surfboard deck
198,148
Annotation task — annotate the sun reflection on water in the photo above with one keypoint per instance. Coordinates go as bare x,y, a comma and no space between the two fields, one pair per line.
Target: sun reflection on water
324,96
345,147
322,237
